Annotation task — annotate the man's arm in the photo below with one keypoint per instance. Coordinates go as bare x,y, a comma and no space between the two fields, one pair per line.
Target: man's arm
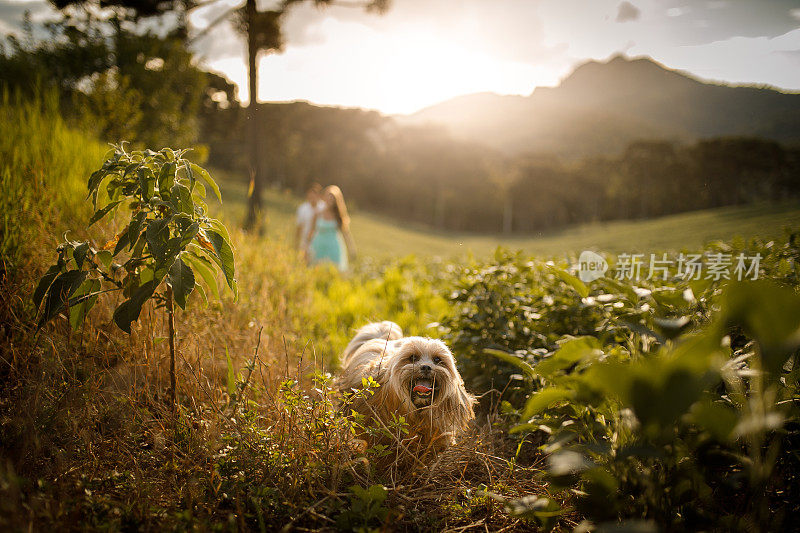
311,230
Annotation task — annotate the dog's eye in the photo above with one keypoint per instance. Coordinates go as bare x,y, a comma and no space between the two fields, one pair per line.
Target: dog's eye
437,360
414,357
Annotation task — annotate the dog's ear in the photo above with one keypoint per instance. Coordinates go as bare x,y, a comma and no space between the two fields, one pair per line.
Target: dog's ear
465,403
458,407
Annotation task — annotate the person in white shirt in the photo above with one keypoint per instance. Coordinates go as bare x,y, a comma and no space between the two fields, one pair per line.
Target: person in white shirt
305,216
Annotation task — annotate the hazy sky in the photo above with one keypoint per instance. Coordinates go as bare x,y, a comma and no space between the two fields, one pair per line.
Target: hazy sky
425,51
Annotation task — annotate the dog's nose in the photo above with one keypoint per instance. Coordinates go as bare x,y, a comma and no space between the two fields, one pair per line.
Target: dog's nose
425,369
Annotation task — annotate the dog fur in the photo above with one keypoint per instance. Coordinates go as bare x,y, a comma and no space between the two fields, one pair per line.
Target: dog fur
404,367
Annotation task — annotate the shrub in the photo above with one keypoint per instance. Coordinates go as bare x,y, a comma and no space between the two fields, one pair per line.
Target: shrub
666,403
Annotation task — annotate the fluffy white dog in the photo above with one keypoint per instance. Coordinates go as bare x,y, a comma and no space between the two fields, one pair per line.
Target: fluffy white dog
418,380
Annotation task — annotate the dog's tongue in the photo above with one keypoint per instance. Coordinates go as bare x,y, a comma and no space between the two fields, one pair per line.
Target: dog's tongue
422,388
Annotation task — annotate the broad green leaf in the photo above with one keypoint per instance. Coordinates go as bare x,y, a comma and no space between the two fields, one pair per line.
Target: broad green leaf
716,418
181,199
168,153
94,181
166,176
138,248
105,257
123,241
201,291
147,182
189,233
202,174
220,228
543,399
199,193
80,252
85,298
157,234
191,177
129,310
570,352
674,397
377,493
511,358
135,227
572,281
602,478
171,253
223,252
204,267
44,284
59,292
146,274
181,278
103,212
770,314
130,168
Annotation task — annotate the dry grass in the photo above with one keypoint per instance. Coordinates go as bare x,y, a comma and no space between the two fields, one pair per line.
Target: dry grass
88,441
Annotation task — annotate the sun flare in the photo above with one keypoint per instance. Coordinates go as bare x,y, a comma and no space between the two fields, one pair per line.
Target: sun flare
408,69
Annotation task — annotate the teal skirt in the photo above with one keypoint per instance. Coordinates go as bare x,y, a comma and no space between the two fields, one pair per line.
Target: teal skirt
328,245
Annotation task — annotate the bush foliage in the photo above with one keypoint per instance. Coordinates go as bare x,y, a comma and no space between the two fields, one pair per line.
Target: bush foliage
672,402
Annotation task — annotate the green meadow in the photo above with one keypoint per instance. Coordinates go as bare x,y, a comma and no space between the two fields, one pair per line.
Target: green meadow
381,237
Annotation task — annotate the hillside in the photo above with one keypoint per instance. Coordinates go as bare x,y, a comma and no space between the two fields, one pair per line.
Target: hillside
602,106
380,237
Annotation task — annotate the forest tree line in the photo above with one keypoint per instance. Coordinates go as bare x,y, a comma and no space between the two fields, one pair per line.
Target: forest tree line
422,175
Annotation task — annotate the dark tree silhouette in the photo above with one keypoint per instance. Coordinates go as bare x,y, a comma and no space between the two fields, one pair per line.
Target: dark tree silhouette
263,31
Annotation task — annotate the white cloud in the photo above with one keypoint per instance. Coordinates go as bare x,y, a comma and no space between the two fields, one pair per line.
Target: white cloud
747,60
678,11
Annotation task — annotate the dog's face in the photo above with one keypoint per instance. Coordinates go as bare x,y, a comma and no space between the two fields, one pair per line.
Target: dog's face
423,372
418,380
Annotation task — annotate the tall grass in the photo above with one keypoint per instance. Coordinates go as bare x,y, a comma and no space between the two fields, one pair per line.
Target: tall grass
84,438
43,169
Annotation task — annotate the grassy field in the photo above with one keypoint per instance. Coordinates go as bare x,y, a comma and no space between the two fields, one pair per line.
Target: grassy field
88,441
382,237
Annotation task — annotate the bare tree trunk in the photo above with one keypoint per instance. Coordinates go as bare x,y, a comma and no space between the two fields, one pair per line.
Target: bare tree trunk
254,203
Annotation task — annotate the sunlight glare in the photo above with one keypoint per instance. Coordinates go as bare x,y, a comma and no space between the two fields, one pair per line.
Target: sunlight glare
395,72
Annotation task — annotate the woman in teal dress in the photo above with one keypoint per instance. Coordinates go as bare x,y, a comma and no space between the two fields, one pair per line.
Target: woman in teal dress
329,237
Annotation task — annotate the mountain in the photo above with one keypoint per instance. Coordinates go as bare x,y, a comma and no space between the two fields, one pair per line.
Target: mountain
603,106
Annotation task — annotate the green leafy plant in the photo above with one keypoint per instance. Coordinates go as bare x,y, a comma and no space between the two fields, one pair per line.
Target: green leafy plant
168,242
366,507
664,404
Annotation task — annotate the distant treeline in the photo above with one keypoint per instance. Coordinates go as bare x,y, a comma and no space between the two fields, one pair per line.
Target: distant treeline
422,175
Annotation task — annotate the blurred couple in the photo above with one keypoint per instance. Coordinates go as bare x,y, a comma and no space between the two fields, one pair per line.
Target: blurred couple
323,227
